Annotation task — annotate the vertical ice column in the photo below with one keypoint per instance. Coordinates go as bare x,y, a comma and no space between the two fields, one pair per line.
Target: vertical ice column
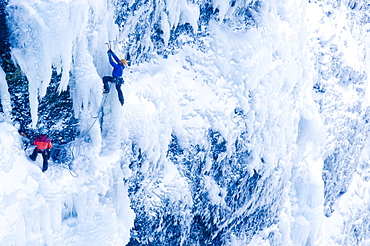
46,35
4,95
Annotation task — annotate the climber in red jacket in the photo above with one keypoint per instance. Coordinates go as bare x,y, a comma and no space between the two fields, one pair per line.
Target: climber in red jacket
43,146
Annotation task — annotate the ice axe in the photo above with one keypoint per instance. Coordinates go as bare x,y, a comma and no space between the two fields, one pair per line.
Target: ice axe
109,45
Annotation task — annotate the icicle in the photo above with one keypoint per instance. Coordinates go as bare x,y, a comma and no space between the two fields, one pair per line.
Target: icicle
4,95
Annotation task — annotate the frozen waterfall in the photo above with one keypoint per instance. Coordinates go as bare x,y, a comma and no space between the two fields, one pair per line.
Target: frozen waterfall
244,123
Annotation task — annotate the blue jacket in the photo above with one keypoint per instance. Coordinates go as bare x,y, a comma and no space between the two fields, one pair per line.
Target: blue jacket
117,66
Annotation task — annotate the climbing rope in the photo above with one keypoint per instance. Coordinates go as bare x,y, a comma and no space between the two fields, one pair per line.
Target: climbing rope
96,118
73,173
64,156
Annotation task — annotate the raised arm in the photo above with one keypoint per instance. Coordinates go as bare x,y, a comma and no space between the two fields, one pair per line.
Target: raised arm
112,62
115,57
117,60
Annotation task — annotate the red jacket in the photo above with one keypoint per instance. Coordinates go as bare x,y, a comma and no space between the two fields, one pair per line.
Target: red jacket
42,142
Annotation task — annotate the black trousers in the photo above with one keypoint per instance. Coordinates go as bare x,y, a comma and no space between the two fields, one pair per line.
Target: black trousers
117,81
45,156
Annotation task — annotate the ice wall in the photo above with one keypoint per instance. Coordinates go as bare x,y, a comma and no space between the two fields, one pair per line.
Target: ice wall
232,108
236,97
61,35
4,96
221,142
54,208
69,37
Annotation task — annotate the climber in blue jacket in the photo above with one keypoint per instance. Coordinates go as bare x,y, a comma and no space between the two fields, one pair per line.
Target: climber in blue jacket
118,66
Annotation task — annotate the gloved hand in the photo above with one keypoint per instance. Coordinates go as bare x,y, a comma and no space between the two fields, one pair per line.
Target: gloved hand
109,52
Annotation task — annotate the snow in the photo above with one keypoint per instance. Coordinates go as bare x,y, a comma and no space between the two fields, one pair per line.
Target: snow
5,97
57,208
267,73
53,34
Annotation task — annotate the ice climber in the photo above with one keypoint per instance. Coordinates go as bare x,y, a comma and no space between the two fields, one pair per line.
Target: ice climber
118,66
43,146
